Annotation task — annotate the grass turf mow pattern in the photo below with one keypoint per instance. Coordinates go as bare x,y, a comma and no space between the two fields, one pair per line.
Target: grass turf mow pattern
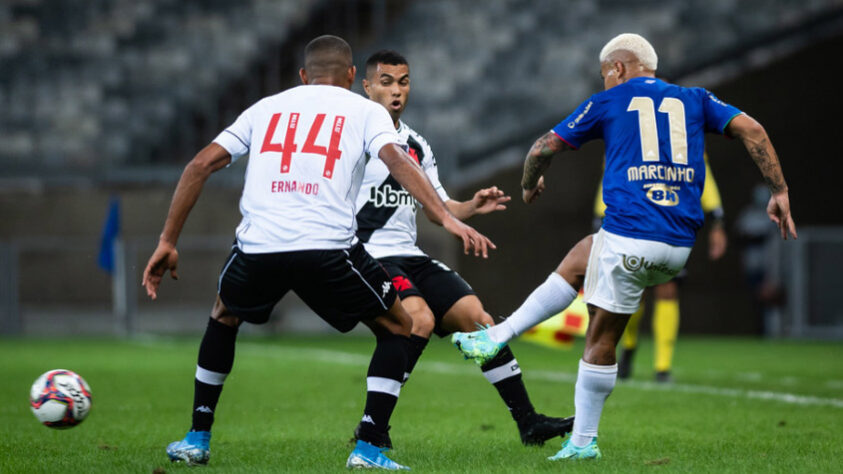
739,405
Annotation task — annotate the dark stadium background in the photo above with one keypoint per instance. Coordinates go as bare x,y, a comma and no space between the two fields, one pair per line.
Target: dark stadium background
480,109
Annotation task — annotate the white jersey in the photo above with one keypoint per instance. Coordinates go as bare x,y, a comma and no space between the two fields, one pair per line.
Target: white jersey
307,149
386,216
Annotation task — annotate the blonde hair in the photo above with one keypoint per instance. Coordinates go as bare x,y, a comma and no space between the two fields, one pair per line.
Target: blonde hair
635,44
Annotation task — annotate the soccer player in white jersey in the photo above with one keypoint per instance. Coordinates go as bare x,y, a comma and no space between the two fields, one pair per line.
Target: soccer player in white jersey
654,136
307,150
437,298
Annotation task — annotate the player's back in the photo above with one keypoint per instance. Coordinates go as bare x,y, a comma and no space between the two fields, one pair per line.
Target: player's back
307,148
654,135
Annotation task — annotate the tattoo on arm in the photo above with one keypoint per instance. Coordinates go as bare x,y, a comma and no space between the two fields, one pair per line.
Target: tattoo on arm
538,158
765,158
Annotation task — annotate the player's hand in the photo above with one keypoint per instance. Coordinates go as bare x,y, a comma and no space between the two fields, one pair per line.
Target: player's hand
530,195
717,242
489,200
165,257
779,211
471,239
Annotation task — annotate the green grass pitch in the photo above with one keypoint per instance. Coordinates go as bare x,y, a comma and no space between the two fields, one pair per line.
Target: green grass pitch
738,405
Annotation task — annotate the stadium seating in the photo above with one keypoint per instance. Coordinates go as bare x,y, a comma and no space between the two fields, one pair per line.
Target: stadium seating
91,83
100,83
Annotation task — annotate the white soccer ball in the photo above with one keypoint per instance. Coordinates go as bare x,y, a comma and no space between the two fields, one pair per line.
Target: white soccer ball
60,399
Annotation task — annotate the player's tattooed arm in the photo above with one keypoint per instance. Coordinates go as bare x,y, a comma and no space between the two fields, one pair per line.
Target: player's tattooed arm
538,158
765,158
758,144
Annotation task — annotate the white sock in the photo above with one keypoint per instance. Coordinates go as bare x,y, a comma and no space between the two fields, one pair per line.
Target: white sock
551,297
594,384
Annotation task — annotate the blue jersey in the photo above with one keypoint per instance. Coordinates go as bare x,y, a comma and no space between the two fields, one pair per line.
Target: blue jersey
654,136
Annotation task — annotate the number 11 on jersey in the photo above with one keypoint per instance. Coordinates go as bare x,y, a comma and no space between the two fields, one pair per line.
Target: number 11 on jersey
675,110
332,153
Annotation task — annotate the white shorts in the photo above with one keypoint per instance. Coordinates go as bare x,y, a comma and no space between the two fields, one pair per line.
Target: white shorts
619,268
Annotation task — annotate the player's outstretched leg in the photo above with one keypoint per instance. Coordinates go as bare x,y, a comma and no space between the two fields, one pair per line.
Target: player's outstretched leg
595,381
504,373
551,297
383,385
216,358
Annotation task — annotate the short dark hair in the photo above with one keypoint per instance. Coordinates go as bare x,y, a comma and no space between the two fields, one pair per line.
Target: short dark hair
327,52
385,56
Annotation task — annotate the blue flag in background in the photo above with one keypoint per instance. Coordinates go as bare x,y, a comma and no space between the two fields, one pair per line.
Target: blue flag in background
110,231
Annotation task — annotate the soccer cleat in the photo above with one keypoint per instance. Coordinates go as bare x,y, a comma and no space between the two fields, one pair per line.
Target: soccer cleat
569,451
625,364
664,377
369,456
536,428
477,345
192,450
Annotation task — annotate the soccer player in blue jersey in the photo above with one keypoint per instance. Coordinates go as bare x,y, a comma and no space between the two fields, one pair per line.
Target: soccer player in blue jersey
654,133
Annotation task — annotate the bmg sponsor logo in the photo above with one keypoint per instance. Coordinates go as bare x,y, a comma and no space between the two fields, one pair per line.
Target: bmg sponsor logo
385,196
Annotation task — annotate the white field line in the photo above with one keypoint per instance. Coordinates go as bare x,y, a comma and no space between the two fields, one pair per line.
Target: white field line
468,368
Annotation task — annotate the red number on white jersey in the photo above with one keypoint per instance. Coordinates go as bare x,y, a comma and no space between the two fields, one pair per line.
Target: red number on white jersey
332,153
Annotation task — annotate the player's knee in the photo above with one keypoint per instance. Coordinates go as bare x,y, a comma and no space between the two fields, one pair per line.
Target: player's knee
398,320
423,322
475,317
224,316
601,352
465,315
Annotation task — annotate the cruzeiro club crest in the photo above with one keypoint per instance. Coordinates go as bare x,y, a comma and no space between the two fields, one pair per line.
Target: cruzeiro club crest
632,263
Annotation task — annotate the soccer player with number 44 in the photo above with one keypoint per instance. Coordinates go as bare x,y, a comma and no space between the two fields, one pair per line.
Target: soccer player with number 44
307,149
654,136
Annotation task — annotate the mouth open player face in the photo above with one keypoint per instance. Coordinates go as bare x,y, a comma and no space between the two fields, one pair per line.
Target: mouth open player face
389,85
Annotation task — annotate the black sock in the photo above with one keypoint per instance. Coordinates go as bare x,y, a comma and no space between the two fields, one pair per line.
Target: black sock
416,347
503,372
383,382
216,357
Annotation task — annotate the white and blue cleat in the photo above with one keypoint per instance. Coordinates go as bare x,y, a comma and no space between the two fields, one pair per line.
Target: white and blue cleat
477,345
571,452
192,450
369,456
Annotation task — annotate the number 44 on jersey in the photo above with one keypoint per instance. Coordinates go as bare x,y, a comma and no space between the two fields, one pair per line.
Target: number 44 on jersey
331,153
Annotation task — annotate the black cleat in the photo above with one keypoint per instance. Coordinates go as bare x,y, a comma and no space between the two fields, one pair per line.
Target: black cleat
536,428
380,440
625,364
664,377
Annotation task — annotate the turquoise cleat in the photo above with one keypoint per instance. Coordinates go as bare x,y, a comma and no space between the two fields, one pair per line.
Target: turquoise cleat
569,451
192,450
477,345
369,456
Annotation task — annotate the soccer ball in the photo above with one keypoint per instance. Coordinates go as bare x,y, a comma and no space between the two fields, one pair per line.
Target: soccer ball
60,399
